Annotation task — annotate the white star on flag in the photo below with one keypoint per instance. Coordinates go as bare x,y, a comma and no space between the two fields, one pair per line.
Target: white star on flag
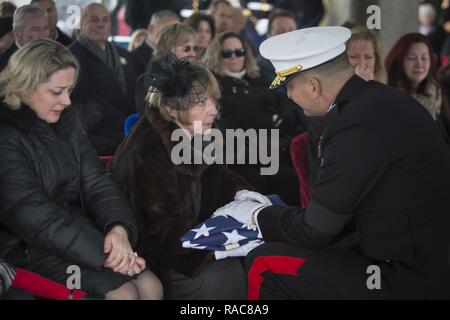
202,231
233,237
188,244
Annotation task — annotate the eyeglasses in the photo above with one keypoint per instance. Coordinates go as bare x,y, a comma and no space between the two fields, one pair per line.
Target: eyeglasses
237,52
189,48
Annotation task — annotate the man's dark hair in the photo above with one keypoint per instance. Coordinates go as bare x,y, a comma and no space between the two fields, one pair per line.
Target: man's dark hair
195,19
277,13
216,3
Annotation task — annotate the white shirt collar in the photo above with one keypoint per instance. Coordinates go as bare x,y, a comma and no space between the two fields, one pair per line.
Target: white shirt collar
238,75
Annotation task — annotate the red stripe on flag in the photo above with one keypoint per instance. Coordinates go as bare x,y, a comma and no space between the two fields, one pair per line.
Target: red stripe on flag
275,264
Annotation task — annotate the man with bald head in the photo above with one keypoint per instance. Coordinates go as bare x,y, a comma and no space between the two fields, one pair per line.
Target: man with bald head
105,90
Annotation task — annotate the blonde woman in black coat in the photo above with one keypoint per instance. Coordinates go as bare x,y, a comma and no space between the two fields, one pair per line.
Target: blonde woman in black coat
58,209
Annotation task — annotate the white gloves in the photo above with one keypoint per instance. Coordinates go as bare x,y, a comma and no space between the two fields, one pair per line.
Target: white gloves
242,211
221,234
252,196
245,204
238,252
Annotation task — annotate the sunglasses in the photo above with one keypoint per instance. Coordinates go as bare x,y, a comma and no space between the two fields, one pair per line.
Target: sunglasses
237,52
189,48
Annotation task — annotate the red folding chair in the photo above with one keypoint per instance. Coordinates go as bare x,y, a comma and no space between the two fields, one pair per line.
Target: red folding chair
42,287
105,160
298,150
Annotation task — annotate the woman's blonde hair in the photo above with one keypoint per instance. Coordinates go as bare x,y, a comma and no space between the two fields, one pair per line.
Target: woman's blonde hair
172,35
214,61
203,83
137,39
32,65
361,33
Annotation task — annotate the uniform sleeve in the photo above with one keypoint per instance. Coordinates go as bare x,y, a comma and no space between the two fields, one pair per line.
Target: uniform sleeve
27,212
353,163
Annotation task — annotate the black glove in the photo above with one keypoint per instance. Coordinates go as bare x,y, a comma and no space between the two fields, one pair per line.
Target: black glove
7,274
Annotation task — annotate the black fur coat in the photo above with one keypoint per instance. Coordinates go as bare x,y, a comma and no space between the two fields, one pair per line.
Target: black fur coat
169,199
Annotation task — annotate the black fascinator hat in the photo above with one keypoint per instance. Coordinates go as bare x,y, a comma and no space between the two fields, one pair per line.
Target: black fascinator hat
179,81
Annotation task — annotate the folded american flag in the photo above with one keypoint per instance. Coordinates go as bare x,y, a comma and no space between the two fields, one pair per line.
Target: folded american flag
223,232
220,233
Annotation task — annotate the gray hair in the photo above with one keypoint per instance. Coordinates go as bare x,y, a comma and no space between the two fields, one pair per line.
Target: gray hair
158,15
427,9
24,12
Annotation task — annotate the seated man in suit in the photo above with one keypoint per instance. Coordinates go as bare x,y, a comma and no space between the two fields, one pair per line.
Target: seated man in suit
105,90
29,23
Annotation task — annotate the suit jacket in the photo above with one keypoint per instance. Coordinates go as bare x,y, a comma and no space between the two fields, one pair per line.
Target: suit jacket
139,12
141,56
63,38
102,105
4,58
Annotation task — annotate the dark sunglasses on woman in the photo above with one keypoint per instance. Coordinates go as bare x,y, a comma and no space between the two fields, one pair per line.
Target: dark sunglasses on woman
237,52
189,48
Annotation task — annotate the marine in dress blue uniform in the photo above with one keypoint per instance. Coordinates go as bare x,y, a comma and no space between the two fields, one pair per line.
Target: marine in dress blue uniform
382,194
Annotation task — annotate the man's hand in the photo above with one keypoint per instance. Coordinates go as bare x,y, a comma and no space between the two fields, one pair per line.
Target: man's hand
364,72
252,196
245,204
242,211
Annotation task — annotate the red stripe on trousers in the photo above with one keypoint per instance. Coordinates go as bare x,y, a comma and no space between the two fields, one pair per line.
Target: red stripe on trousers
275,264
